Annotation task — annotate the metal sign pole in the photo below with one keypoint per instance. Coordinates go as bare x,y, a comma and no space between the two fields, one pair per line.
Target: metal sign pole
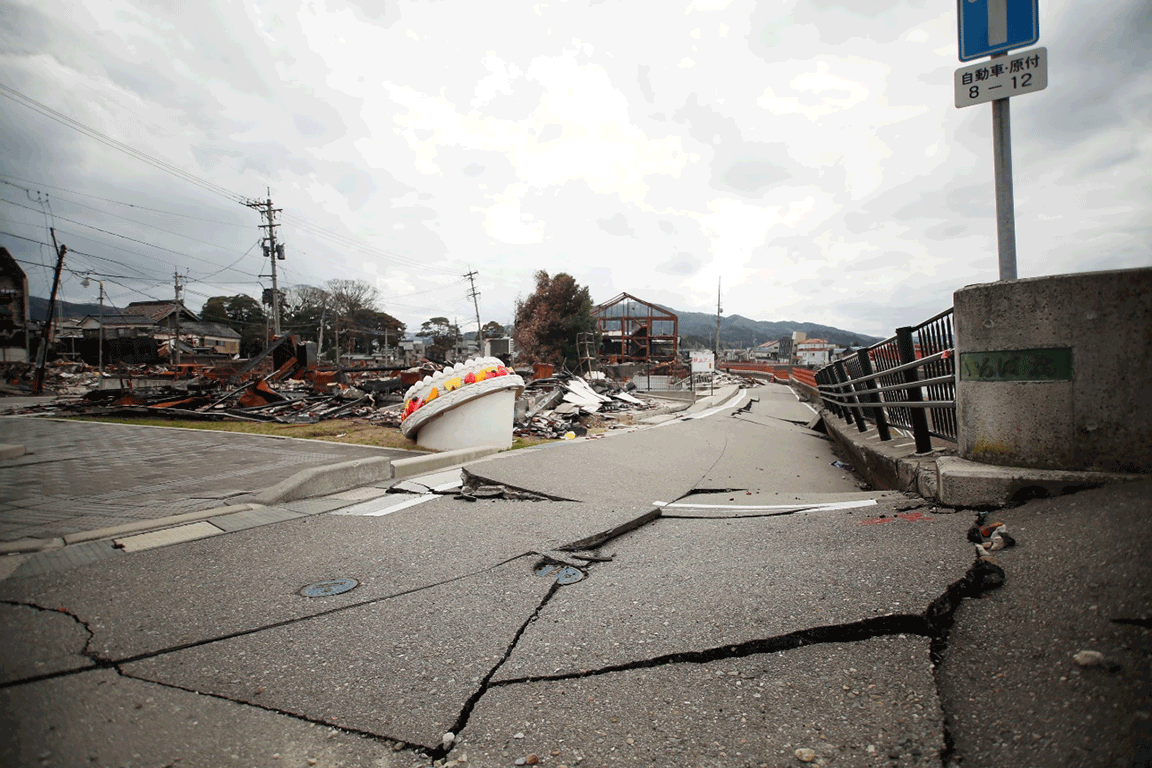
1005,206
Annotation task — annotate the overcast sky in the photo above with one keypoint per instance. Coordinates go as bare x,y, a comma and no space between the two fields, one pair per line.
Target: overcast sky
806,154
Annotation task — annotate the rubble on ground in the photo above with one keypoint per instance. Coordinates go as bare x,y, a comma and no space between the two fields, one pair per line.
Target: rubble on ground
566,405
555,407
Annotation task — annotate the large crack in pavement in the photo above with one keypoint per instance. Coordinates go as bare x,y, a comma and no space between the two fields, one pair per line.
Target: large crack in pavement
933,623
102,662
469,705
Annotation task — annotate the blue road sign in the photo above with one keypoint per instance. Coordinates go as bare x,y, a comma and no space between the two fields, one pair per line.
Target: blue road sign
992,26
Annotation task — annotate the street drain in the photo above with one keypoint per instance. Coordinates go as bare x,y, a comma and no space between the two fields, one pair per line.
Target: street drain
569,575
565,575
329,588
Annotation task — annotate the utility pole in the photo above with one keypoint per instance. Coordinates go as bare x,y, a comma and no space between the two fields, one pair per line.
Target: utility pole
271,250
716,352
716,349
100,355
175,357
476,305
46,333
320,331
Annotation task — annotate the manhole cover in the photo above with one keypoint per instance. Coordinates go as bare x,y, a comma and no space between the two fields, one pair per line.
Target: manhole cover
329,588
569,575
546,570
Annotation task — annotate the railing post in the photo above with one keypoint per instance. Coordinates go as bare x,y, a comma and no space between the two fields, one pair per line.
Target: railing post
821,385
845,412
912,376
877,413
834,386
849,394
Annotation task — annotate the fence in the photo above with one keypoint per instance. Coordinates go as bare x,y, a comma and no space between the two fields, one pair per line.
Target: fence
907,381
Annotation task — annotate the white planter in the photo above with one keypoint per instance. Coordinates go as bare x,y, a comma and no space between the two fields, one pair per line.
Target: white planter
476,414
483,420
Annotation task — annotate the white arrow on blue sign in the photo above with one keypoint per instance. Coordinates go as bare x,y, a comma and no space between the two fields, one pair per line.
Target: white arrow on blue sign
993,26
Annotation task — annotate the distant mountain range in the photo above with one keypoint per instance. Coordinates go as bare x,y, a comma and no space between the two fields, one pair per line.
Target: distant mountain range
698,329
737,331
38,308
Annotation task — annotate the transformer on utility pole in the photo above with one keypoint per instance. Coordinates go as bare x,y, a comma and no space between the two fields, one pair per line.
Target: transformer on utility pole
274,251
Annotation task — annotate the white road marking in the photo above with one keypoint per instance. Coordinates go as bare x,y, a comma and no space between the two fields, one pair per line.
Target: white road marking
372,509
771,507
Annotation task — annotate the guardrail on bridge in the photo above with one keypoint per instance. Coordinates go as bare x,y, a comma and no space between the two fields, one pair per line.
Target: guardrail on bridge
907,381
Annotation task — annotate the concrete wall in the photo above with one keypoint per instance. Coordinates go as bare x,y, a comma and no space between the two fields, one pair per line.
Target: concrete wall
1055,372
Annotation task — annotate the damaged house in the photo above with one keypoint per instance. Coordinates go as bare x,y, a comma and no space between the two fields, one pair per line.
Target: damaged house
632,330
14,334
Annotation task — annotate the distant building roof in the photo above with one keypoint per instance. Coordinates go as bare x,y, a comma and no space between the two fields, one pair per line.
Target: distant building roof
219,330
109,318
156,311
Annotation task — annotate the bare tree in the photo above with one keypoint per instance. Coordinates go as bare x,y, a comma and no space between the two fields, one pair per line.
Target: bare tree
350,299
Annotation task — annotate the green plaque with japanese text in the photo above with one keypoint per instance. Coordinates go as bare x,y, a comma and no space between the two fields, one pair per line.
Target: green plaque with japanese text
1017,365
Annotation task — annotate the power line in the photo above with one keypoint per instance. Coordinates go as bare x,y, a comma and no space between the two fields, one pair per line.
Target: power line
75,125
134,221
118,202
317,230
144,277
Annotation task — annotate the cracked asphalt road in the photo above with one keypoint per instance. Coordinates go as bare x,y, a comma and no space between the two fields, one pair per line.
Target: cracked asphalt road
772,614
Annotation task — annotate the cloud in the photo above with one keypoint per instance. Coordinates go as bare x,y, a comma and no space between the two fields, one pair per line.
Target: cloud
617,225
683,263
811,153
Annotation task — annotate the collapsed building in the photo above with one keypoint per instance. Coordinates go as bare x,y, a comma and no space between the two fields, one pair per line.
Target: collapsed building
632,330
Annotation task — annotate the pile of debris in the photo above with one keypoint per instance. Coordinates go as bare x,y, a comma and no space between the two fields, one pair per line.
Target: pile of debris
566,404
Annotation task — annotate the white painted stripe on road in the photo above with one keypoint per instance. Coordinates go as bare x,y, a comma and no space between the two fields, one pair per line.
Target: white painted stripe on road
768,508
372,509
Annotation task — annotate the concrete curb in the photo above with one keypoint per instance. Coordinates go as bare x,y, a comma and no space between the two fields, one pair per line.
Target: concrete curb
419,465
155,524
322,481
29,545
964,483
951,480
11,450
886,466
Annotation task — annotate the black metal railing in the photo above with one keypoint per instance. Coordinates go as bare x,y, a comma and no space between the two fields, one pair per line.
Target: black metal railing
907,381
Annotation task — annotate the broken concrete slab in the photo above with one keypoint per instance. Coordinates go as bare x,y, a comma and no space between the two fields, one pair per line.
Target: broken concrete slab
870,703
616,471
1079,579
101,718
689,584
760,456
222,585
35,641
401,668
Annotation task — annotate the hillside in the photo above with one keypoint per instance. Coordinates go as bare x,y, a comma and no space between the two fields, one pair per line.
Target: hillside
38,309
737,331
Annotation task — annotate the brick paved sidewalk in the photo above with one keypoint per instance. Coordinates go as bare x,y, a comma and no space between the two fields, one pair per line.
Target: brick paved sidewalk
80,476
